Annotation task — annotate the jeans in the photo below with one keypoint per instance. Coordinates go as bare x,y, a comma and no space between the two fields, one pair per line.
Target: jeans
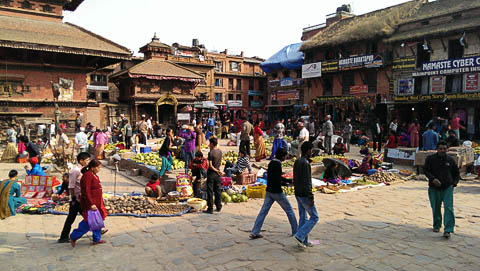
84,228
128,142
72,214
230,171
188,157
328,144
305,226
457,133
437,196
282,200
214,187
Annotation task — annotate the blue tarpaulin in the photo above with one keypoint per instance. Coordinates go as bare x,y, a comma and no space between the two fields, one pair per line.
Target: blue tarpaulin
290,57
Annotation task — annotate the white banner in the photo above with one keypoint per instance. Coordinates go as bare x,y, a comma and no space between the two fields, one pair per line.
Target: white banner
312,70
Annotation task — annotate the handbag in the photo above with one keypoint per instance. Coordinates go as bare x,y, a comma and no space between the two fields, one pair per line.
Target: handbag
95,220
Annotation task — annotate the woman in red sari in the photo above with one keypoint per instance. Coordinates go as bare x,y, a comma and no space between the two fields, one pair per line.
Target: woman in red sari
260,151
91,199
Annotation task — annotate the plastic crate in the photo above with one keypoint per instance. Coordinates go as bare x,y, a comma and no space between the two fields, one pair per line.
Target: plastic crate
145,149
256,191
245,178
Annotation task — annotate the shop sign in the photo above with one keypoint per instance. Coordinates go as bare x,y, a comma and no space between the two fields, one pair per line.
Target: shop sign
404,63
358,90
274,83
208,104
406,86
438,97
99,88
450,66
235,103
287,81
330,66
471,82
183,116
437,84
256,104
312,70
366,61
254,93
284,95
334,98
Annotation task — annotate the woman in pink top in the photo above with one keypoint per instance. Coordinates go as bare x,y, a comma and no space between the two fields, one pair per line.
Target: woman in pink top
455,125
100,142
414,131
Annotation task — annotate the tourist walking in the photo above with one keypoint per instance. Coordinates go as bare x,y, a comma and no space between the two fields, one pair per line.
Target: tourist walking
273,194
10,195
91,199
414,131
247,129
327,131
214,182
347,133
75,192
260,151
430,138
302,178
278,142
443,175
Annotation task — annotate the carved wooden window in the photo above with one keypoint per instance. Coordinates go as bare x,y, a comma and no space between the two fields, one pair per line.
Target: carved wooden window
27,5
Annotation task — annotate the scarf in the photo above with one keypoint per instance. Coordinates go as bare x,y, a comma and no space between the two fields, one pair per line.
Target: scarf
4,195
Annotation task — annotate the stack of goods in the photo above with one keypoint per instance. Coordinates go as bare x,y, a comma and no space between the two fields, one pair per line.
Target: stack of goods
384,177
38,187
234,194
230,156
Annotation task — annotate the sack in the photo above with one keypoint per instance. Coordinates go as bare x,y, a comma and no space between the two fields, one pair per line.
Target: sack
184,187
95,220
226,181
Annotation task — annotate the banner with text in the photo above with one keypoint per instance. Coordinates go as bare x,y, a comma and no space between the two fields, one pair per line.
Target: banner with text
366,61
359,90
450,66
312,70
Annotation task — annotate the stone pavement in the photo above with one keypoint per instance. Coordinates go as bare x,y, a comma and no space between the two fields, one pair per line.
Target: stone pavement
384,228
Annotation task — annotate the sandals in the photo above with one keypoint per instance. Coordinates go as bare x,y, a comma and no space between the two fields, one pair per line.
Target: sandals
99,242
104,231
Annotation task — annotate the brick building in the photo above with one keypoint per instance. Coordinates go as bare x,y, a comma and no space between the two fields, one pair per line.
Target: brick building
355,63
436,64
37,50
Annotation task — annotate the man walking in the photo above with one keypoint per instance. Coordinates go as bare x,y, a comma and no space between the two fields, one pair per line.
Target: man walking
278,142
81,141
214,182
302,137
376,129
275,194
302,179
328,133
74,190
247,129
347,133
443,175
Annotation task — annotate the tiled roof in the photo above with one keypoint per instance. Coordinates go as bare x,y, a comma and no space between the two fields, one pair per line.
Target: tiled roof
161,70
33,34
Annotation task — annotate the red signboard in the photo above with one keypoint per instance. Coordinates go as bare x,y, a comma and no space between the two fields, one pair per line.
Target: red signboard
284,95
358,90
471,82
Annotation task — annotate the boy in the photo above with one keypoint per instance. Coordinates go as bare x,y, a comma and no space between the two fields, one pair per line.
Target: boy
153,188
214,182
243,163
199,167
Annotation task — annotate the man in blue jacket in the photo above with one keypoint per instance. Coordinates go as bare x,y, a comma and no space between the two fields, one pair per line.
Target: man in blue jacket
430,138
36,168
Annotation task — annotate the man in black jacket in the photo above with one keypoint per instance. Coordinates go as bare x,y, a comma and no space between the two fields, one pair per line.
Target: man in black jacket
275,194
443,175
302,178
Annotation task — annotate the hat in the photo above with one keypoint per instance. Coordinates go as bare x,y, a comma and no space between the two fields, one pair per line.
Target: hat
34,160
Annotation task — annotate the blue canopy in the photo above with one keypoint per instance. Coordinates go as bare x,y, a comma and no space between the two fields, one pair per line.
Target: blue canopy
290,57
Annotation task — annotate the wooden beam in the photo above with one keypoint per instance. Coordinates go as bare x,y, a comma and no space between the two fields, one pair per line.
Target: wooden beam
411,49
443,45
362,76
395,51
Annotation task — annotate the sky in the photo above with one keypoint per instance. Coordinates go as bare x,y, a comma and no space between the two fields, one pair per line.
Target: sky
257,27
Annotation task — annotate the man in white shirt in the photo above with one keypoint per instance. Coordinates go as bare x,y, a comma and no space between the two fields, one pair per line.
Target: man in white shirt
62,141
328,133
150,127
81,141
75,191
303,136
393,126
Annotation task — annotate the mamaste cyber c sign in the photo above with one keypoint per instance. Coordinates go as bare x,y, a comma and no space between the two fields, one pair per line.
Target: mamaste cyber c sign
450,66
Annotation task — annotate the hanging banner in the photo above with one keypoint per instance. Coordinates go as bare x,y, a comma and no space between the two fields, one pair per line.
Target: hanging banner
406,86
359,90
366,61
404,63
285,82
471,82
183,116
437,84
284,95
330,66
450,66
235,103
438,97
312,70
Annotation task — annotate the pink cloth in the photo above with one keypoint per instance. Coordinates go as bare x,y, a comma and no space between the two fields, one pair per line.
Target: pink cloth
455,123
101,139
21,147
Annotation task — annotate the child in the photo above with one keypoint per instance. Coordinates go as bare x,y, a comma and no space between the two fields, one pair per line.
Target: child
64,187
243,163
199,167
153,188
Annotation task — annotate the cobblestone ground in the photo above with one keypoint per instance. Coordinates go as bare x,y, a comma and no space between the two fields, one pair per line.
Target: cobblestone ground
383,228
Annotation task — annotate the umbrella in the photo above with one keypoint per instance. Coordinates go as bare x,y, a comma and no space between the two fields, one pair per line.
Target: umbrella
342,169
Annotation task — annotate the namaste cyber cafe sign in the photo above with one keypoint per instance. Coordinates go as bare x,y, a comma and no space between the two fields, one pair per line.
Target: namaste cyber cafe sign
450,66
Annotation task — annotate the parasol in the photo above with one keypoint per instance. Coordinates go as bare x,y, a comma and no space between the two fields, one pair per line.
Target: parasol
343,170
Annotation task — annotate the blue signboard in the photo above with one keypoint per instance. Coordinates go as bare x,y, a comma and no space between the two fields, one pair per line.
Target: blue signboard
450,66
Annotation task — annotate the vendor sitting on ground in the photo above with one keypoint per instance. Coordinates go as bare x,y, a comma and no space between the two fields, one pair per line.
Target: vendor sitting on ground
36,168
339,148
153,187
331,175
199,167
10,198
243,163
392,141
64,187
452,140
367,164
